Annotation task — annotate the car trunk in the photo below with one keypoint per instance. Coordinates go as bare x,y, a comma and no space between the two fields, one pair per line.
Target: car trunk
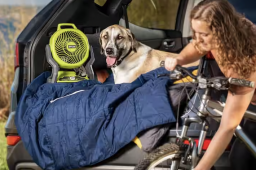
91,19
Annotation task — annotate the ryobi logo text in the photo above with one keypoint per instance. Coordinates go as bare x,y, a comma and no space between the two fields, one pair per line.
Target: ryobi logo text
71,46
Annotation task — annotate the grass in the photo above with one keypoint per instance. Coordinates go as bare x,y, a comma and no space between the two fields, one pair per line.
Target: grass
3,151
14,18
17,17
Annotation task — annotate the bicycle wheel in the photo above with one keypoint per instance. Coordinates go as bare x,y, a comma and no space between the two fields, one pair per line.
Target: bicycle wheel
159,155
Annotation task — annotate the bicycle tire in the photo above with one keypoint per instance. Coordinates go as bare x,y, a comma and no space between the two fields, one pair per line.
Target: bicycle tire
169,149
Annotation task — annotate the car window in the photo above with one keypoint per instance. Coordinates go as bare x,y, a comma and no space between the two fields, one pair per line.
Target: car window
159,14
100,2
188,26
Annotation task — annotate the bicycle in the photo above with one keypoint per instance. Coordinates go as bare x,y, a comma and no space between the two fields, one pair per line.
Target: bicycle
184,156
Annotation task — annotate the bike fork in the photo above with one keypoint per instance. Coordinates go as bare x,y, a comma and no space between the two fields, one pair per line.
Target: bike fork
202,137
196,151
175,164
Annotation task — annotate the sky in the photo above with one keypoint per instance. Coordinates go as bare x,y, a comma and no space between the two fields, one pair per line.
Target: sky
24,2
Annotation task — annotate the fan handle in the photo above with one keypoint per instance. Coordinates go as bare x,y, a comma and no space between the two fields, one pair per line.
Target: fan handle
66,24
52,62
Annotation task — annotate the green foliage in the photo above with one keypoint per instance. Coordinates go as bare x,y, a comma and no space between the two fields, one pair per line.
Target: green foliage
154,13
3,149
13,19
100,2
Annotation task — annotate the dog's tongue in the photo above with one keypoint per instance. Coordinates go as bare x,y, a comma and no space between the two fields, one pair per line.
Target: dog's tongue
110,61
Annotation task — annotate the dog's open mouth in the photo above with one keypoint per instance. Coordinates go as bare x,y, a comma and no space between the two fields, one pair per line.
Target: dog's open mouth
111,60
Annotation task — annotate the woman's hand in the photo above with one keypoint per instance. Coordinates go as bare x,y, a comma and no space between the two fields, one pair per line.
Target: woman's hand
170,63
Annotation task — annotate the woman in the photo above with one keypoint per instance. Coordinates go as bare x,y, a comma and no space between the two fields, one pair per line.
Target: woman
231,39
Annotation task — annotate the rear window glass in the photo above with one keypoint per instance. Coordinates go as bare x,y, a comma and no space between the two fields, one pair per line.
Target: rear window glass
160,14
100,2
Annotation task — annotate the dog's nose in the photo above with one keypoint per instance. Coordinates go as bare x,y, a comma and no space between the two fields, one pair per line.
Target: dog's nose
109,51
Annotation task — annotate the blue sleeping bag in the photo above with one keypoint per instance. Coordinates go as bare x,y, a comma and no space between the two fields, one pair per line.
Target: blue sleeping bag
73,125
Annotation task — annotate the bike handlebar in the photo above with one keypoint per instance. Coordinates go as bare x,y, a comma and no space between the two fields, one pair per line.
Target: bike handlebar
219,83
241,82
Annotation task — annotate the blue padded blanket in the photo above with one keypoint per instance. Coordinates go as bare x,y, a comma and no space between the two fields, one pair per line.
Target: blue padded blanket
72,125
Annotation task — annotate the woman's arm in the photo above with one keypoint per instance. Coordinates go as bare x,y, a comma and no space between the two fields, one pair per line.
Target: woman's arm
234,110
189,55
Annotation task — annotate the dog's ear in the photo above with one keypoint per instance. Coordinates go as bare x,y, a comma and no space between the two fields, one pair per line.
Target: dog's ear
100,40
133,40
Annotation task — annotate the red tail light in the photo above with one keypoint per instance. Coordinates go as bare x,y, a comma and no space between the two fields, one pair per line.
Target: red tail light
16,62
13,140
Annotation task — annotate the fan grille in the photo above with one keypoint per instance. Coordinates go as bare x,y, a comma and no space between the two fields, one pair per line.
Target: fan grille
71,56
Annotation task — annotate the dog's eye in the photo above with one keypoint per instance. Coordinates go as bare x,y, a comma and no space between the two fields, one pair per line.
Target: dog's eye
105,36
120,37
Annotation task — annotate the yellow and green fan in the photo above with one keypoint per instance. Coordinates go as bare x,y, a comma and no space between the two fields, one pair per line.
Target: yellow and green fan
69,47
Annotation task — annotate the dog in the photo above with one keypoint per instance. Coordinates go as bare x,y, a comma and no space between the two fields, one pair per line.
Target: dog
127,57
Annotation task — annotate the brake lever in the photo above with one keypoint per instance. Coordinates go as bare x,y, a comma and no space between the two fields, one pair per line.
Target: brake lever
175,74
219,83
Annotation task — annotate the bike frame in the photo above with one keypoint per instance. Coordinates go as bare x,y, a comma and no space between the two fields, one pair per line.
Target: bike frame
206,108
215,108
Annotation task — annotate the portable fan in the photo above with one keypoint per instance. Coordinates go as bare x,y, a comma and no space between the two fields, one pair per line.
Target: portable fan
68,50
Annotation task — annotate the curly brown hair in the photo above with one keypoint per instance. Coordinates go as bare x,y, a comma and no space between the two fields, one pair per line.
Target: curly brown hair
234,34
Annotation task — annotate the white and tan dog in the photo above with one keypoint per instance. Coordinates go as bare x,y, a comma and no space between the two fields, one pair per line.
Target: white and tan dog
127,57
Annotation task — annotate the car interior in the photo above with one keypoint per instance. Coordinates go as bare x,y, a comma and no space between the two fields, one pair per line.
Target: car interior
91,19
